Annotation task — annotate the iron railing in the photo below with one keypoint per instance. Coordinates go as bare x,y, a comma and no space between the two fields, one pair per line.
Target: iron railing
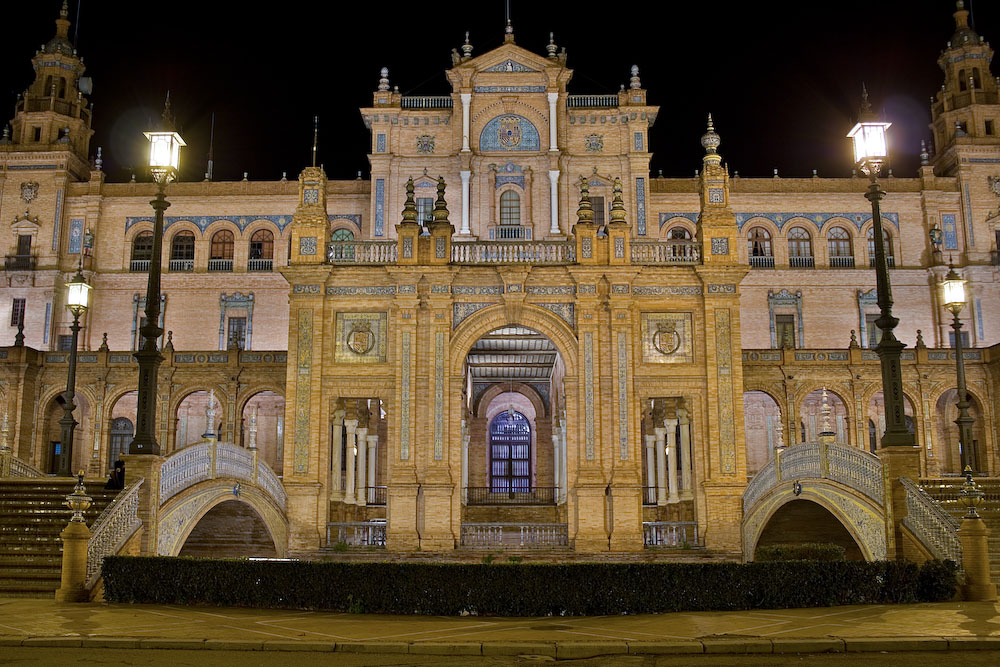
20,262
806,262
375,495
535,495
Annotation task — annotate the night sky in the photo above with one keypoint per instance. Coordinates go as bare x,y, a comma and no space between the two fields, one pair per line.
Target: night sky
782,80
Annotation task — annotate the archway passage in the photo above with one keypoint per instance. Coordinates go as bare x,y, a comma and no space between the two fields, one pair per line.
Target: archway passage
54,449
876,419
948,450
762,424
802,522
192,419
263,422
811,417
231,529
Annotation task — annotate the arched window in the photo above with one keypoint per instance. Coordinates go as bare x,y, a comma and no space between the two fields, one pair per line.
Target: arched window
62,87
759,248
976,82
840,248
342,235
679,234
182,251
222,245
142,247
962,85
121,435
261,254
48,85
889,257
800,250
510,208
510,453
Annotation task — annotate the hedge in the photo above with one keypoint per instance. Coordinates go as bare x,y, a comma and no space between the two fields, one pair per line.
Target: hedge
521,589
807,551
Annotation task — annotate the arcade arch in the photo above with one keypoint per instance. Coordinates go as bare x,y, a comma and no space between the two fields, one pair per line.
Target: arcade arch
191,419
763,427
811,416
947,449
876,419
51,434
265,412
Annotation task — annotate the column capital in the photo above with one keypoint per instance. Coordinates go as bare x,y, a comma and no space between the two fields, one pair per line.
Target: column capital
661,431
351,424
670,423
466,97
553,97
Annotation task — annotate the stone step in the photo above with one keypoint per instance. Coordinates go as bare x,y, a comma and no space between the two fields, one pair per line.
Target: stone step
30,573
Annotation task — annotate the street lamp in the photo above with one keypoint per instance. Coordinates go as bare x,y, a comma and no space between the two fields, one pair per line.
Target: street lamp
77,300
164,158
953,297
870,152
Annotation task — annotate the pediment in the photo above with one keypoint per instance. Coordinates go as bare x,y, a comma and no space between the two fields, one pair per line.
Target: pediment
509,59
25,224
509,65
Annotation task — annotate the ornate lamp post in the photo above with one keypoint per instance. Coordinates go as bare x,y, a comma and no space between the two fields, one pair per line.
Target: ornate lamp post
870,152
77,299
953,297
164,154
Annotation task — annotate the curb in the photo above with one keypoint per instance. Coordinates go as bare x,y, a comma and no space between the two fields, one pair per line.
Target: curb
557,649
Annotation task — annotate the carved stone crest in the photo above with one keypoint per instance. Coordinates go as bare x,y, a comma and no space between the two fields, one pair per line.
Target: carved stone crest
29,191
425,144
360,339
666,340
594,143
994,182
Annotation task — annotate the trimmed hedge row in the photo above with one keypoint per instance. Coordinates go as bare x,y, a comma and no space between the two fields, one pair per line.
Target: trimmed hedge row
807,551
521,589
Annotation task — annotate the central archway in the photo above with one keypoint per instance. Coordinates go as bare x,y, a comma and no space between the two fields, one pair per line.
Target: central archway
231,529
805,522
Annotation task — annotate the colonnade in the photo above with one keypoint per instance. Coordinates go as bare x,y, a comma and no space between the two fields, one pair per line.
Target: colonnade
353,434
662,451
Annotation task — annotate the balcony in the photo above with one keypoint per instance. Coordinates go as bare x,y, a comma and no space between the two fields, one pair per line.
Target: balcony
139,266
841,262
181,265
220,265
510,233
515,535
356,534
427,102
591,101
260,265
677,534
529,252
806,262
362,252
536,495
762,261
665,252
889,260
20,262
375,495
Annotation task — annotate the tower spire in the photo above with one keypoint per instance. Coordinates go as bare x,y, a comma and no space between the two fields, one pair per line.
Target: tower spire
315,137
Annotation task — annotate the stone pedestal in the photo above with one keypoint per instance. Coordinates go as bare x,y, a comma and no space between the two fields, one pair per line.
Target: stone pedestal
72,588
591,517
147,467
897,462
976,561
304,523
626,514
436,533
401,515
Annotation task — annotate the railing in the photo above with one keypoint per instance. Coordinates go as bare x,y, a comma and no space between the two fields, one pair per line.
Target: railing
841,262
801,262
530,252
649,495
181,265
220,265
139,265
515,535
260,265
112,529
931,524
269,482
890,261
591,101
682,534
509,232
536,495
185,468
846,465
361,252
232,461
356,534
11,466
427,102
20,263
666,252
211,460
375,495
762,261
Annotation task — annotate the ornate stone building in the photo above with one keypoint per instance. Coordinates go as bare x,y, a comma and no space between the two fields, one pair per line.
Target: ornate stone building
511,331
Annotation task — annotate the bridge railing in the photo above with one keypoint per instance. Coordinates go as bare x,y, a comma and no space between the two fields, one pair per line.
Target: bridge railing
931,524
112,529
210,460
847,465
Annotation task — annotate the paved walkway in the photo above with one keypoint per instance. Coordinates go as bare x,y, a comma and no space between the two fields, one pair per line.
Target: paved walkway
922,627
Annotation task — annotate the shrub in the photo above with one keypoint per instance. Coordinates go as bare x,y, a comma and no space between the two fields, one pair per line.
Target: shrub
807,551
519,589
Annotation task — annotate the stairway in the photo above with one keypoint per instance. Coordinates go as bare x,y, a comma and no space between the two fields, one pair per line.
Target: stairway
32,514
946,490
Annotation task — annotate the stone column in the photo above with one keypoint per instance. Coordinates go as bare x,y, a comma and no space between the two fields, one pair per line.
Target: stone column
466,436
671,425
466,100
563,461
338,448
361,460
553,98
146,466
661,465
72,588
554,200
466,175
687,493
650,464
556,440
351,425
372,452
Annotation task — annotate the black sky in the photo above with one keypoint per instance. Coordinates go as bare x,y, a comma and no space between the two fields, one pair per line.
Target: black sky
782,79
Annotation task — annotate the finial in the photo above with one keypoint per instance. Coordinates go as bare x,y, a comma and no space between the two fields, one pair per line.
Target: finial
19,337
509,30
383,82
315,138
64,12
854,339
104,343
551,49
467,47
4,434
6,135
410,207
617,203
167,115
920,340
170,342
825,411
970,495
440,213
585,213
710,140
634,81
79,501
924,155
99,162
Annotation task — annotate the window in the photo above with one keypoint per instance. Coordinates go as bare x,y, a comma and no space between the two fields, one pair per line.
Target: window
425,205
976,81
599,213
24,244
872,333
965,339
222,245
262,244
759,242
799,243
989,128
122,433
510,453
784,329
37,133
142,247
962,85
839,243
237,332
62,87
182,246
510,208
64,343
679,234
342,235
17,313
890,259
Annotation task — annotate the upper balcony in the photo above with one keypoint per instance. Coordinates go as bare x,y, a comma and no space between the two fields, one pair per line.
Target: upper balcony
20,262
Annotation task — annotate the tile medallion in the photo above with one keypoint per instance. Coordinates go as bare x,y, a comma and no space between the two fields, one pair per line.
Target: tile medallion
667,338
360,338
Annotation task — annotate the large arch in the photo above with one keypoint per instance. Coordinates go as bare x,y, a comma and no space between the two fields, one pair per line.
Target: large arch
763,427
267,409
49,436
810,418
191,417
231,529
806,521
947,449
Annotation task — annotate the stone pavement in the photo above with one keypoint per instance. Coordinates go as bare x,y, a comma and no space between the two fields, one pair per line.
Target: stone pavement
915,627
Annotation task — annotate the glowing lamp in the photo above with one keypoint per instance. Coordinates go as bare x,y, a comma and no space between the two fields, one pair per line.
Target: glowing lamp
77,294
870,147
953,292
164,154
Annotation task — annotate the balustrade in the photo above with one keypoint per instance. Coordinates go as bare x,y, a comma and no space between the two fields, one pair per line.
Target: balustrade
762,261
427,102
260,264
112,529
11,466
536,495
181,265
665,252
375,495
220,265
931,524
591,101
210,460
837,262
670,534
361,252
515,535
356,534
529,252
139,266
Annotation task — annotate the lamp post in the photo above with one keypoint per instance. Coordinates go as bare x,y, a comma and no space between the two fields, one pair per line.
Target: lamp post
953,297
77,299
164,153
870,152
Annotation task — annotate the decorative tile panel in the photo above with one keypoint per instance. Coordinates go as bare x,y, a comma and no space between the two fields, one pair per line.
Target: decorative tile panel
303,392
566,311
310,196
202,222
468,289
353,217
619,246
385,290
307,245
637,140
551,289
360,338
440,247
509,89
968,216
509,133
588,381
380,143
716,196
593,143
586,247
425,144
306,289
619,289
462,310
438,396
439,289
667,338
57,223
724,374
510,66
407,289
75,236
720,245
408,247
721,289
657,290
404,402
504,179
379,206
818,219
640,206
622,396
587,289
950,231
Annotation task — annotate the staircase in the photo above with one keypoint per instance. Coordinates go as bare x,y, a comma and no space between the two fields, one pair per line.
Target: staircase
32,514
946,491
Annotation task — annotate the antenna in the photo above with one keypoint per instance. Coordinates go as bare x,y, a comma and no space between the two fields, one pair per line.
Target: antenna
76,25
507,13
315,137
211,144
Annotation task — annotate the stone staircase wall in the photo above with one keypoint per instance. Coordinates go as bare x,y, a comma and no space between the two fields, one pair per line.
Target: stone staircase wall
32,514
946,491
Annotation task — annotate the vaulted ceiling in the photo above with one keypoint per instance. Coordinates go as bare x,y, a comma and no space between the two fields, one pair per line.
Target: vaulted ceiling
512,353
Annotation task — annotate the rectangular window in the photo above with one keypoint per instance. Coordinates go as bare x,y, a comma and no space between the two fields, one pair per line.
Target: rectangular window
784,329
24,244
17,313
424,207
237,331
37,133
65,343
965,339
989,127
599,216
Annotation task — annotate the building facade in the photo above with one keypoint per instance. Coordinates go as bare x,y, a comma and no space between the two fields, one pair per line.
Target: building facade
510,322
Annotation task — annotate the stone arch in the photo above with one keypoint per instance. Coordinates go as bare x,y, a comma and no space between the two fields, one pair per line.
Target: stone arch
49,431
219,225
178,516
180,226
483,401
189,428
501,108
529,139
947,450
122,405
270,405
874,417
763,428
808,401
815,524
136,229
668,226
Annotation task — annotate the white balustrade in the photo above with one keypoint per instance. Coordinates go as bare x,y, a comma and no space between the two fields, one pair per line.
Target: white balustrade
931,524
19,468
591,101
665,252
269,483
212,460
427,102
362,252
185,467
528,252
515,535
356,534
670,533
112,529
